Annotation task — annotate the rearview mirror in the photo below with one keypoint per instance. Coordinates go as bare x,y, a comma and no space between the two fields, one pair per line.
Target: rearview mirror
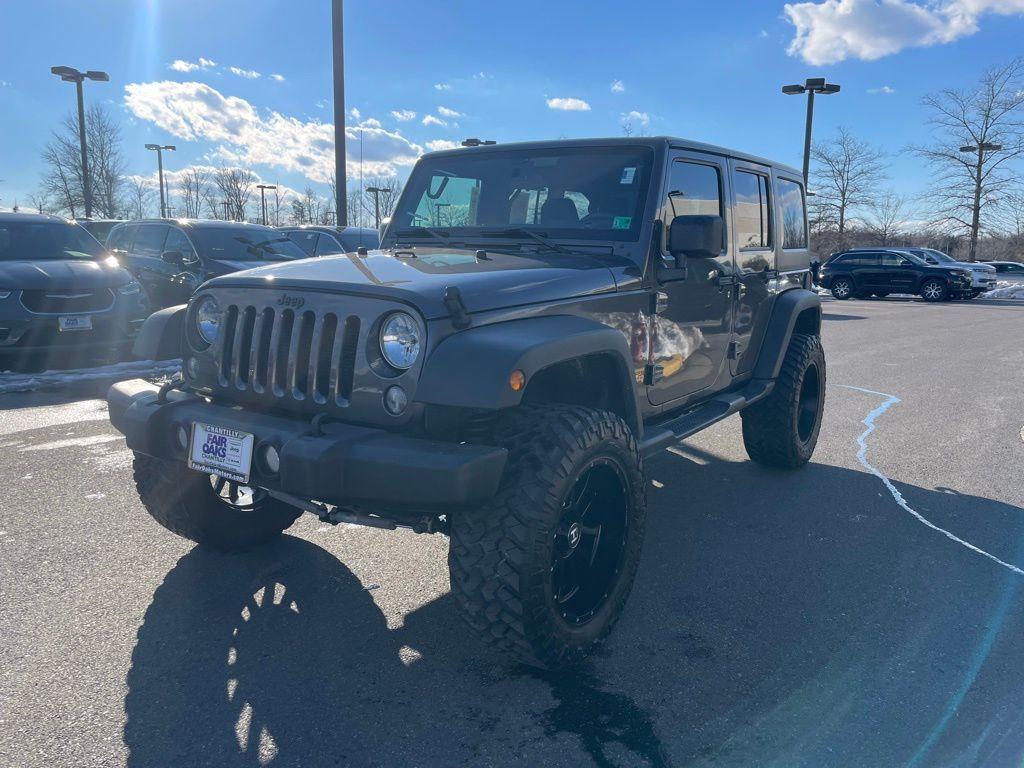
697,236
173,257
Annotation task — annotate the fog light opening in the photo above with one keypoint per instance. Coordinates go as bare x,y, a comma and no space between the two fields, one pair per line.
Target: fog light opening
181,435
271,458
395,400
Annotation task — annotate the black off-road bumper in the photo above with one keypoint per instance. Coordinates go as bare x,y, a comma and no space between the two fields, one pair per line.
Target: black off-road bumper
346,464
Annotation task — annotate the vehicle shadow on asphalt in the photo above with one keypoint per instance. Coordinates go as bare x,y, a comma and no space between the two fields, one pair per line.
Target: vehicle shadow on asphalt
802,618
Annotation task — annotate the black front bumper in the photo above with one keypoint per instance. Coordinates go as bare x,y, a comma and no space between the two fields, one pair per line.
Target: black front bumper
345,464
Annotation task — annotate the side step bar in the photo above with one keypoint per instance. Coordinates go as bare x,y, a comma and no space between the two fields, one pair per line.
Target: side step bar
657,437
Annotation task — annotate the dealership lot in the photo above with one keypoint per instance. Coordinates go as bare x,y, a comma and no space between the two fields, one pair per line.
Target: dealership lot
789,619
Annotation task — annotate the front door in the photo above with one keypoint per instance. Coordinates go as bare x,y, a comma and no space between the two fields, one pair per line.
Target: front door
690,335
897,274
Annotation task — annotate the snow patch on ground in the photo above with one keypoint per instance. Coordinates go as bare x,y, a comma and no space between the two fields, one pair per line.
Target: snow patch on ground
1005,290
30,382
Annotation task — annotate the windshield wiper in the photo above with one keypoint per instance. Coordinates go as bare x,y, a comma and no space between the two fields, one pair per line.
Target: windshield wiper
540,237
435,233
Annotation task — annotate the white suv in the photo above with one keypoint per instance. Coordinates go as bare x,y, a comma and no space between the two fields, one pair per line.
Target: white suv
983,276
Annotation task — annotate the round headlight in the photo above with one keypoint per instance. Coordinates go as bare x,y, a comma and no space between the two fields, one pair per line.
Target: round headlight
207,319
400,340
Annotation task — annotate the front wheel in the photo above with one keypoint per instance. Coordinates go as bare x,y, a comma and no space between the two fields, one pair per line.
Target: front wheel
211,511
842,288
934,290
542,571
782,429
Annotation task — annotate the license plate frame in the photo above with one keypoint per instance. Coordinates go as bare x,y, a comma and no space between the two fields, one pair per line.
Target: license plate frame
228,452
71,323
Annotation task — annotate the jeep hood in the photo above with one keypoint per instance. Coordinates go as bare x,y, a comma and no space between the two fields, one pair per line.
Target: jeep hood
497,281
48,274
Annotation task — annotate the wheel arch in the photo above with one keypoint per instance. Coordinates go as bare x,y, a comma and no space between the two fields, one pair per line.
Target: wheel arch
795,311
564,359
162,335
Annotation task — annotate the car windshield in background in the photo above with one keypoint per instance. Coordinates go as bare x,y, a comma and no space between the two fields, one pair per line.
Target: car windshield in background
245,244
588,193
50,240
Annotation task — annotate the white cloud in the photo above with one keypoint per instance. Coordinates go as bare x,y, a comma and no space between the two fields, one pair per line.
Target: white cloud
431,120
885,90
446,112
763,33
403,115
439,144
370,122
442,86
569,104
248,74
617,86
834,30
242,135
636,117
180,65
355,114
277,77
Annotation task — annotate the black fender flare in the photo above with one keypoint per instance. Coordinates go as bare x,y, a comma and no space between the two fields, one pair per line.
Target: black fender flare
471,369
162,336
792,306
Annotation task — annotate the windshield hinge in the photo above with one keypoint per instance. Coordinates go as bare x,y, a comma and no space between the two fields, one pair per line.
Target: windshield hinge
456,307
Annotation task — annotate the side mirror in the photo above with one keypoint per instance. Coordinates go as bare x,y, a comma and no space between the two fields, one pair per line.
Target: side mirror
698,236
177,258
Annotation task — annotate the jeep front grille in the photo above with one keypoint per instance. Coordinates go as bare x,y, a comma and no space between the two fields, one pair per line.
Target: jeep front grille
296,355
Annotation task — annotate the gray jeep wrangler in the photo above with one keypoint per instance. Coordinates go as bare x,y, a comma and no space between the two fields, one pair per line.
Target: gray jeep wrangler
538,319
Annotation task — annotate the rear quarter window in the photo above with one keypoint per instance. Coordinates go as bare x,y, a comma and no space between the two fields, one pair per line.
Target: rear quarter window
791,203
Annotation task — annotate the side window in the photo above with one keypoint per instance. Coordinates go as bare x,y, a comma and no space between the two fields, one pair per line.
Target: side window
305,239
149,241
327,245
1015,268
694,189
893,260
120,238
791,201
178,241
752,217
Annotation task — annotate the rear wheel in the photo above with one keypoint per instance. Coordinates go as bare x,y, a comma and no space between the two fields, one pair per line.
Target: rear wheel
934,290
543,571
782,429
211,511
842,288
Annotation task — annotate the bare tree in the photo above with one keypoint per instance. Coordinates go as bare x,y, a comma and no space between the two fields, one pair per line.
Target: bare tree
887,217
63,159
390,188
195,188
978,131
235,186
40,201
846,177
140,197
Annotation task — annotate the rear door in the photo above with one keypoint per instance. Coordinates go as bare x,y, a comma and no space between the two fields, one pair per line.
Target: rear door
755,245
183,284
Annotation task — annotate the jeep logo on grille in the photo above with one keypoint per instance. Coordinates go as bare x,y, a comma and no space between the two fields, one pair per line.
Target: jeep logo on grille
295,302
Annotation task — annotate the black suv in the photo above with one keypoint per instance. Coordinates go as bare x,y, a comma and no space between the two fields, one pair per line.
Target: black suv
171,258
540,318
317,240
864,272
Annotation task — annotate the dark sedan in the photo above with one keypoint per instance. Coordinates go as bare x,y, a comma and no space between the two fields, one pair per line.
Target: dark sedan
60,291
171,258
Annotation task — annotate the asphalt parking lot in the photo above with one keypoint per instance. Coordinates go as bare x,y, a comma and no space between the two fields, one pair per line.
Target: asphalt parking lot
819,618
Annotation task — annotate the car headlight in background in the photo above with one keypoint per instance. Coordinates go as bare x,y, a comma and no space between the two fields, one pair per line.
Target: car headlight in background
130,288
400,340
207,319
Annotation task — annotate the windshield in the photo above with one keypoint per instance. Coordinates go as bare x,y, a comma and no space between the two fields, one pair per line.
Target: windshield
578,193
938,256
245,244
31,240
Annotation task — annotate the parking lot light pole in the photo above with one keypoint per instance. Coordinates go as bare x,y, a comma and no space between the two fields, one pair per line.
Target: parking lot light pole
159,149
340,174
980,149
375,191
263,198
72,75
812,86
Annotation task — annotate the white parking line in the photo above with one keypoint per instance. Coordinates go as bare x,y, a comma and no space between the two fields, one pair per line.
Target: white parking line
862,457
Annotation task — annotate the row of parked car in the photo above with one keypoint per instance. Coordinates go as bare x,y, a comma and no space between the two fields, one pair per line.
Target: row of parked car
925,272
84,287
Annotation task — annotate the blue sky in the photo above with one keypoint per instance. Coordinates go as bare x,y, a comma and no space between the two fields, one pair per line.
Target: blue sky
252,85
